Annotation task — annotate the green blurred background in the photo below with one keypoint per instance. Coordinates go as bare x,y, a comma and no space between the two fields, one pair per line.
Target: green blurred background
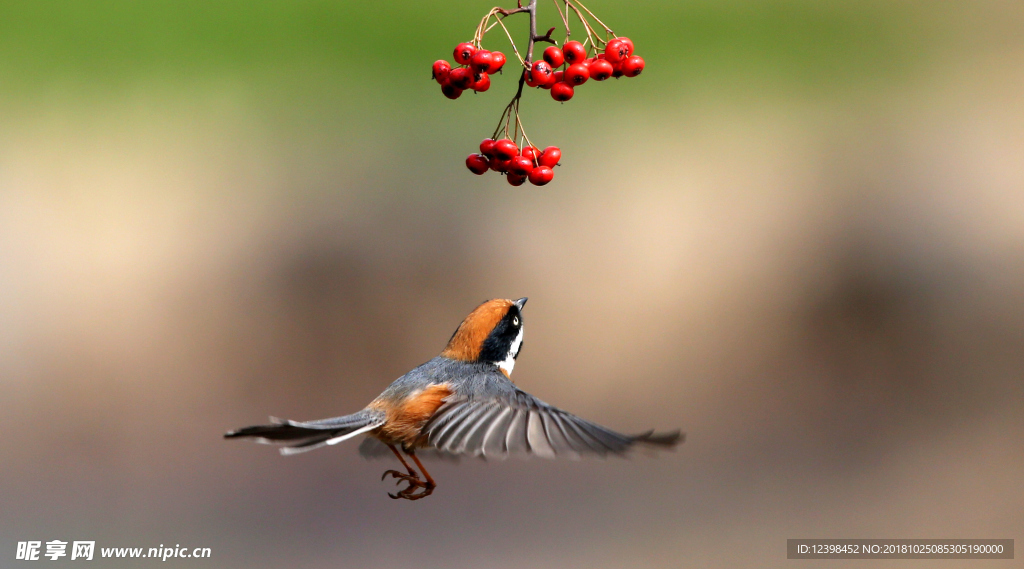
798,236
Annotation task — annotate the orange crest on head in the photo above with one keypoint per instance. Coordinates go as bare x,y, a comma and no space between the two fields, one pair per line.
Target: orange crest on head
468,340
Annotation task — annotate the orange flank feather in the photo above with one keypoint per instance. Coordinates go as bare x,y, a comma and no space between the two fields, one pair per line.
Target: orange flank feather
406,418
468,340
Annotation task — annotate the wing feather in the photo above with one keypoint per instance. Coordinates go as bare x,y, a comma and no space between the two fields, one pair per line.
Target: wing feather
461,428
516,423
494,440
515,439
473,439
595,445
559,443
539,443
438,430
576,441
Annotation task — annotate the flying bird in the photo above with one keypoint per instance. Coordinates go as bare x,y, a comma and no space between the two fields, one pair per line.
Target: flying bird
461,402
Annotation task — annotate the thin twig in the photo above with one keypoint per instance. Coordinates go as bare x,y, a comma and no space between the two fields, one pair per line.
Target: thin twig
586,24
513,106
483,28
546,37
587,10
564,19
523,129
514,48
505,12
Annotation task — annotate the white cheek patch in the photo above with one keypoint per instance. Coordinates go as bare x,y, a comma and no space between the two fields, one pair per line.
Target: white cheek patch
510,359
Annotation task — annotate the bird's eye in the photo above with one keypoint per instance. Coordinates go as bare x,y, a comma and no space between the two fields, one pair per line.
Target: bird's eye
515,321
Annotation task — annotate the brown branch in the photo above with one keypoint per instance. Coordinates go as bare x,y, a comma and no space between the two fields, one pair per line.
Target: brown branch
513,106
546,37
533,29
505,12
532,9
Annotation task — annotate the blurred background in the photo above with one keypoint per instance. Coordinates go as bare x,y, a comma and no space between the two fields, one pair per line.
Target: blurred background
798,236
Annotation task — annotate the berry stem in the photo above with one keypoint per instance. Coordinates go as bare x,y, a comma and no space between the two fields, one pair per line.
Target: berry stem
565,19
498,14
598,20
586,25
514,48
592,35
521,129
507,115
512,109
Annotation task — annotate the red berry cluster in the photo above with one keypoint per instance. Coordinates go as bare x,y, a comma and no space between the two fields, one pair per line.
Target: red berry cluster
616,60
601,56
517,165
475,67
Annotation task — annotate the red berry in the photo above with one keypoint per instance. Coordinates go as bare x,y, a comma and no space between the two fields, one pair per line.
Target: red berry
440,70
529,79
617,70
460,78
550,82
498,165
481,82
515,180
561,91
541,175
520,165
505,149
577,74
554,56
481,60
530,152
541,72
629,45
574,52
451,91
600,70
558,76
464,53
477,163
633,66
497,62
550,156
616,51
487,147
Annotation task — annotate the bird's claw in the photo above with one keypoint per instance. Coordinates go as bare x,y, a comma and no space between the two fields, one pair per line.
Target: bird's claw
410,478
415,483
410,491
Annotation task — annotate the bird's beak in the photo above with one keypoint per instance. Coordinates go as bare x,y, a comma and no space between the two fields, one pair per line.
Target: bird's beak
520,303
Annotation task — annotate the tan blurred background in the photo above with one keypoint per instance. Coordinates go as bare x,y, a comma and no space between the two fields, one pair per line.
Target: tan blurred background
798,236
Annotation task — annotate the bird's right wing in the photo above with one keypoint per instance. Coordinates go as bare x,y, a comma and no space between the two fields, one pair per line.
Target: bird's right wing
520,424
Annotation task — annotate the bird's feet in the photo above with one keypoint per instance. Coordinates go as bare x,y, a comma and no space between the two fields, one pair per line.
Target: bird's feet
427,488
410,477
415,483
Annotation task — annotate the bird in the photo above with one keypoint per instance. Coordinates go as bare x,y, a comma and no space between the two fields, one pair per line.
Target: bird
462,402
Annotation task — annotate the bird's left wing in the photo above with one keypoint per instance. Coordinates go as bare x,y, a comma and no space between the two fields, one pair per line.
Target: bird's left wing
517,423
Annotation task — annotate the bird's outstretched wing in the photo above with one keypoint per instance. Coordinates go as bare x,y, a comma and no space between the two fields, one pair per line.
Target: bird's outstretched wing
518,423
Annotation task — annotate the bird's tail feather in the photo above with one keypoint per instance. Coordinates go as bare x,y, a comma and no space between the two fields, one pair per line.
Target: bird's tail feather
301,436
669,439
